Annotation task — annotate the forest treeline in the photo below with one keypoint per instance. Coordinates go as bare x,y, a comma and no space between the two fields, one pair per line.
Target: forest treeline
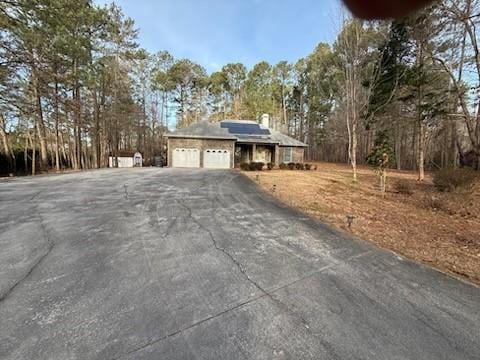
76,87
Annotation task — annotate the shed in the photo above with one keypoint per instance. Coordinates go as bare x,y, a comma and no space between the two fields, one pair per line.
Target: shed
126,159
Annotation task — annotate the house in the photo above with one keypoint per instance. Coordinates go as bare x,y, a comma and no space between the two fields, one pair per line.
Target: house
229,143
126,159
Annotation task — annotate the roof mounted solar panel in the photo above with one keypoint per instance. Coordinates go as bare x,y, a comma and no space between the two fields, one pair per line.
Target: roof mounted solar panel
237,128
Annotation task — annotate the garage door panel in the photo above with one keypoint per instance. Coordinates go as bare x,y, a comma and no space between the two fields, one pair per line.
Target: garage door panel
186,158
216,159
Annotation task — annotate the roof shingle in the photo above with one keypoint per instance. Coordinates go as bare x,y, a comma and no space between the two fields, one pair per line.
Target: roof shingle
242,131
203,129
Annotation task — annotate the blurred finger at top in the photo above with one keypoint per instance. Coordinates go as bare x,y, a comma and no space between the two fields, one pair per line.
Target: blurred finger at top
384,9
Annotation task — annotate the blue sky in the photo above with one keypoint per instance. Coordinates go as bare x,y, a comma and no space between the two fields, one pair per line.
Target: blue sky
215,32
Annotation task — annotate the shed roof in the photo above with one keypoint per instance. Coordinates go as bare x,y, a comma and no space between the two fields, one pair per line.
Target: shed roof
125,153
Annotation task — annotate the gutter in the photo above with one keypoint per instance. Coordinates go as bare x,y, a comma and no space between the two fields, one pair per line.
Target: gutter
200,137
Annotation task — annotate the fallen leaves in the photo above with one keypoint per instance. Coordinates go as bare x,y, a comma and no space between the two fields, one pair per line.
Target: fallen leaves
444,233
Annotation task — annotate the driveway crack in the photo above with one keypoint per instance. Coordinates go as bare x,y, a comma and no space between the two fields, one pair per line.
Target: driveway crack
177,332
264,294
35,195
281,305
35,265
219,248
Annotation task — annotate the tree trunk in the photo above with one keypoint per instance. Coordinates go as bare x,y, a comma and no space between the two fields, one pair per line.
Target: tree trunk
421,123
414,159
34,152
57,119
301,120
354,149
421,151
3,135
96,131
398,146
72,148
383,181
353,128
64,152
77,118
162,110
40,125
284,111
25,155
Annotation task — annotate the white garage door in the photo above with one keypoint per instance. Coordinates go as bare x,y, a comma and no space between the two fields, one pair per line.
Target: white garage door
216,159
187,158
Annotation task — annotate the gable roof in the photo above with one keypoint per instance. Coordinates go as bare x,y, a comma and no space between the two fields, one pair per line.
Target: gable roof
203,130
245,131
286,140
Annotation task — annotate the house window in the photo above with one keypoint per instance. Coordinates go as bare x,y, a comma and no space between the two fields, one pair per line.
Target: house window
287,155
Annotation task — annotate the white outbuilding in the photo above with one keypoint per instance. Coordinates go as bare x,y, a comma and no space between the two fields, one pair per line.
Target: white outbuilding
126,159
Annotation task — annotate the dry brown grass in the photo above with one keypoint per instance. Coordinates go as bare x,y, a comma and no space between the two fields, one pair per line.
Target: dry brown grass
439,229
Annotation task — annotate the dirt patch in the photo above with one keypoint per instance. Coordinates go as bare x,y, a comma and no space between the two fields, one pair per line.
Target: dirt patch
439,229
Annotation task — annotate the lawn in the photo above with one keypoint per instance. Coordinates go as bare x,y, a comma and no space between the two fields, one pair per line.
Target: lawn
438,229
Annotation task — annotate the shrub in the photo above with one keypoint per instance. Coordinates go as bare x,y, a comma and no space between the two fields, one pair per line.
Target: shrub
270,166
450,179
283,166
245,166
403,187
291,166
299,166
433,202
256,166
308,167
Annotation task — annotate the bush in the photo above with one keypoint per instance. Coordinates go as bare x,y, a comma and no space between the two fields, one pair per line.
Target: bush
256,166
403,187
299,166
291,166
245,166
253,166
270,166
283,166
308,167
433,202
450,179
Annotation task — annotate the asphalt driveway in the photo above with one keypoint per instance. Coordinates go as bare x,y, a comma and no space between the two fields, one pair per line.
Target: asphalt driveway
183,264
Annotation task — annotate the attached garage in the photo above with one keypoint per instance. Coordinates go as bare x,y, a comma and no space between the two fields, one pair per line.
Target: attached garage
228,143
201,145
216,159
186,158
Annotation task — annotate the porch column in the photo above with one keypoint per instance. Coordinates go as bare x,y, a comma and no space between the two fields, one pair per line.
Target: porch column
254,152
277,156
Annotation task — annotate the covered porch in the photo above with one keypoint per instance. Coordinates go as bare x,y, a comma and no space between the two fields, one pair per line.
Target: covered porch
257,152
